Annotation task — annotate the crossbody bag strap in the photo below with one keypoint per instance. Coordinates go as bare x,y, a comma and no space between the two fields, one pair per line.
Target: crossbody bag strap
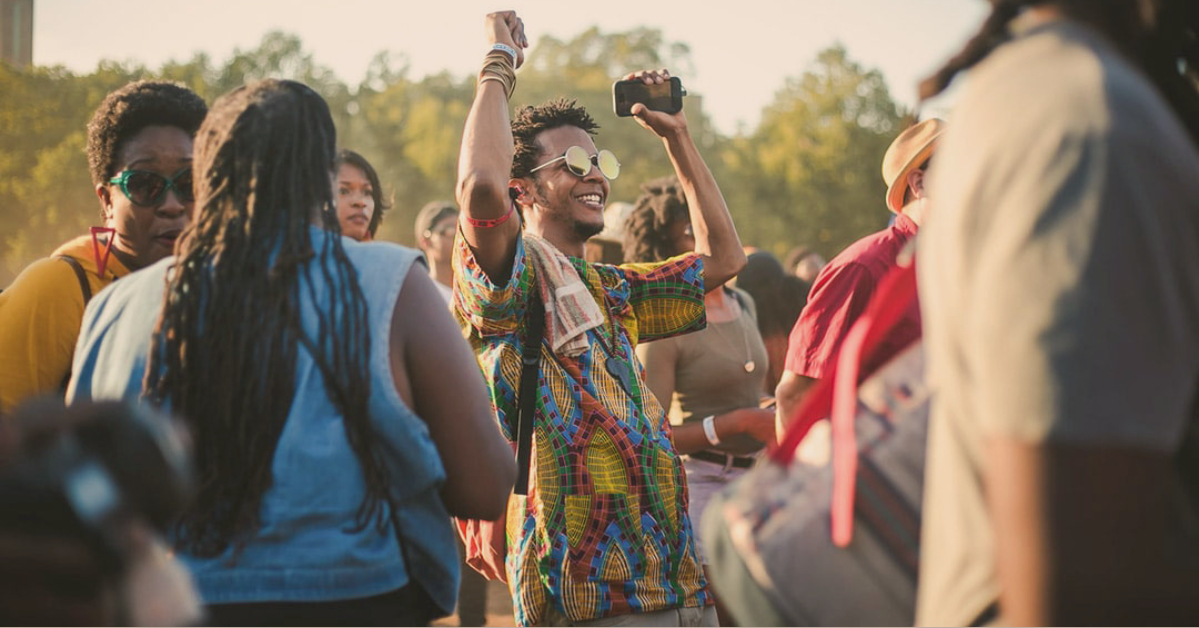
84,286
527,393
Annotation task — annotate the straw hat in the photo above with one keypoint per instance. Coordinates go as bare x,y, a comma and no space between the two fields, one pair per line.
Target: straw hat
909,151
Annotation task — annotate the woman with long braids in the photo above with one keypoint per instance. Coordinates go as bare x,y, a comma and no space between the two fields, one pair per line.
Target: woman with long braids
328,451
1060,293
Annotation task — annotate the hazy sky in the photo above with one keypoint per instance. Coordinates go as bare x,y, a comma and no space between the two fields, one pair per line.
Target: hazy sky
742,50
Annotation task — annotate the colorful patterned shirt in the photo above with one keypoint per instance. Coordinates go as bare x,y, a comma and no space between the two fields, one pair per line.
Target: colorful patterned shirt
604,529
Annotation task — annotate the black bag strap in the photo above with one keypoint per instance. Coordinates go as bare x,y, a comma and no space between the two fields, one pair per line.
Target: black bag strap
80,275
85,287
526,400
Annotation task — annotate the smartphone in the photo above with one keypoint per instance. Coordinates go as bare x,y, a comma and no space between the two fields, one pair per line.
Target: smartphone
667,97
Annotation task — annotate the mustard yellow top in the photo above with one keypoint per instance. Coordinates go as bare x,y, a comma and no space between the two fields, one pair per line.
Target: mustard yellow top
40,315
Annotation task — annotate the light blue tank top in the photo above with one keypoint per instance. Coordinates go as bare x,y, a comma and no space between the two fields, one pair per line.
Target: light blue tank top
305,549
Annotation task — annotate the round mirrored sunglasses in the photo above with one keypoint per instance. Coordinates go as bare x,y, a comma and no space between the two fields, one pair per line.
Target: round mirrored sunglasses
579,162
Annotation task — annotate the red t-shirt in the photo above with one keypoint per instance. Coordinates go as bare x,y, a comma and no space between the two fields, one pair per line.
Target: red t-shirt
839,296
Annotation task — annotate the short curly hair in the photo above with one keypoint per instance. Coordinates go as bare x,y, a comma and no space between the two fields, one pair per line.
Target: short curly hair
660,205
128,110
530,121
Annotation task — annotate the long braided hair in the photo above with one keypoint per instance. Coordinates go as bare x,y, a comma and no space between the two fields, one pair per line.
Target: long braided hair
1159,36
224,351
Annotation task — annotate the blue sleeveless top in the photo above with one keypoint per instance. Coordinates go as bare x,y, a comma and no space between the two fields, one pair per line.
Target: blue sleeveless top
305,549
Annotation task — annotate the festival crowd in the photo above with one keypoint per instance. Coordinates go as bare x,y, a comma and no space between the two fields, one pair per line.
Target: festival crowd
230,405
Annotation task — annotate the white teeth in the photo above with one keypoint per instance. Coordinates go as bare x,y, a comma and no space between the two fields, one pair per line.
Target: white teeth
590,198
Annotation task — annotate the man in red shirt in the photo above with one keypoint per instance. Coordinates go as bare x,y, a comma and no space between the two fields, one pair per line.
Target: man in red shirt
844,287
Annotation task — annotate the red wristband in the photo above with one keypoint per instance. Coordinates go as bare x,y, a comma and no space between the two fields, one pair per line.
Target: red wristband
487,223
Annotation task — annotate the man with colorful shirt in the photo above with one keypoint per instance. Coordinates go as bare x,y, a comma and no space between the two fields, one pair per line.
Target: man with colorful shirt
844,287
603,531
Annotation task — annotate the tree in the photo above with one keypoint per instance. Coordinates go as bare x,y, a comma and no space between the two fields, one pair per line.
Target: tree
810,173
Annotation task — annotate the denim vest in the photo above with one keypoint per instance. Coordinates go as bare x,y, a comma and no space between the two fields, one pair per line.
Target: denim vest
305,549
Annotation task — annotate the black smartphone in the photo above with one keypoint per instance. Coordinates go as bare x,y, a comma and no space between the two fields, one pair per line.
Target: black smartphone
667,97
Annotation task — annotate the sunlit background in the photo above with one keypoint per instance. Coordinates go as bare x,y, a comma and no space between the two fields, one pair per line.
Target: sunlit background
793,101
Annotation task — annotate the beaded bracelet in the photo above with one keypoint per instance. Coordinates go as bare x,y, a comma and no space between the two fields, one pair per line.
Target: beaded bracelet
487,223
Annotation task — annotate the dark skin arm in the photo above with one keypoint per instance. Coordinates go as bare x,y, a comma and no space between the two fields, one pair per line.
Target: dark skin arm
452,400
1082,537
716,238
485,160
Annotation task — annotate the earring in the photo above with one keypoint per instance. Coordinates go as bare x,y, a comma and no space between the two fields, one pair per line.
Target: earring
102,262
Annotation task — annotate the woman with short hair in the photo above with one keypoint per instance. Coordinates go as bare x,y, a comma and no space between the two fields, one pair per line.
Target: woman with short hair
139,151
360,203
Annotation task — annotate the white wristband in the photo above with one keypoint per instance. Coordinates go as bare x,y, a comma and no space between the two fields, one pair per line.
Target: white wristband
710,429
508,49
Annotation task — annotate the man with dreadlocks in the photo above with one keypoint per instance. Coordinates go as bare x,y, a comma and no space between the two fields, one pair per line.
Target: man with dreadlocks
328,451
1060,290
603,531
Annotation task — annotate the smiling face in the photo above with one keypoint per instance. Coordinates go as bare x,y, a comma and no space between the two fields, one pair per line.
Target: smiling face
355,202
566,209
145,235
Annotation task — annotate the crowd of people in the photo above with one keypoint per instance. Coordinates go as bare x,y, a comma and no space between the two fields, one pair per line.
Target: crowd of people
231,405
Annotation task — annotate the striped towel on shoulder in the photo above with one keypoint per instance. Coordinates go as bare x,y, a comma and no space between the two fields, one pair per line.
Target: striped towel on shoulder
570,307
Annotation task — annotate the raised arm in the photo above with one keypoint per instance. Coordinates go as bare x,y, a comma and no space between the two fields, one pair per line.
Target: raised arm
715,236
489,221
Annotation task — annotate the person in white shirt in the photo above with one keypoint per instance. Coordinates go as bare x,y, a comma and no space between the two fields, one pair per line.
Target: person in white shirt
435,226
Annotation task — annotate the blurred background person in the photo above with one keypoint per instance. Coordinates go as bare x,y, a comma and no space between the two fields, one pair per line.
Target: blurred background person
844,287
436,225
778,299
86,497
711,380
360,203
804,263
1060,285
139,151
607,246
328,453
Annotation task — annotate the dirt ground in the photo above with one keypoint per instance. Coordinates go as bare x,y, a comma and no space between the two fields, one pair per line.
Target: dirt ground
499,608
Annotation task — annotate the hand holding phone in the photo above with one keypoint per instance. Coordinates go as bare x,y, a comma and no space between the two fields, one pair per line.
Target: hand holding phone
666,97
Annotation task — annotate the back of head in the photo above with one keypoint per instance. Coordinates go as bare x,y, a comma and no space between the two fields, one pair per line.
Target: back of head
262,163
646,229
225,353
1157,35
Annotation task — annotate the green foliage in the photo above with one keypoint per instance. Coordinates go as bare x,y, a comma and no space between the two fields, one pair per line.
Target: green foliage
809,173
